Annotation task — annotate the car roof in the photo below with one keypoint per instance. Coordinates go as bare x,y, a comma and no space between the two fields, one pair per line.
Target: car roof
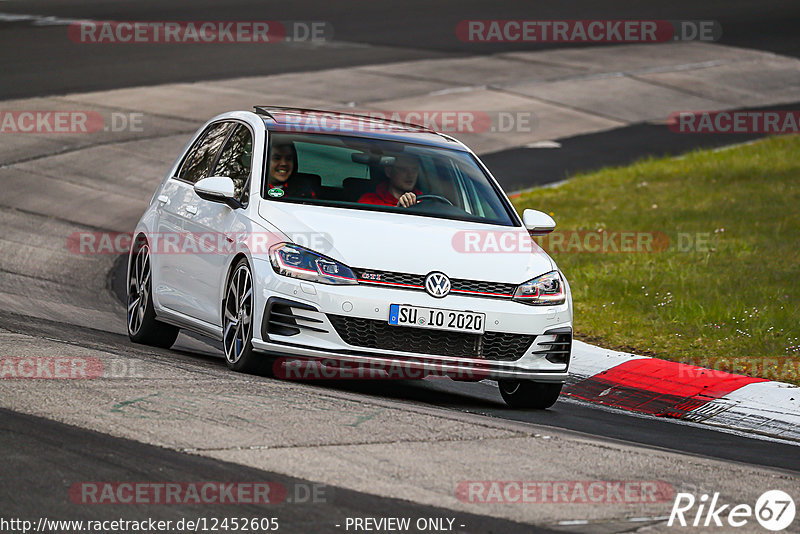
304,120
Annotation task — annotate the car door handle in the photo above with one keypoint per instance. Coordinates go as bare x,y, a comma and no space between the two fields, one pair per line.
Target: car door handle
164,199
191,209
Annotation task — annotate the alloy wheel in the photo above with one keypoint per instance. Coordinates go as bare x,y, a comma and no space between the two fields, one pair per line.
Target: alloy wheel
238,314
138,290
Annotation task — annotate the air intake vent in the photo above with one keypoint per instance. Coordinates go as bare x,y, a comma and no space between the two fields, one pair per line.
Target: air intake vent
559,349
286,317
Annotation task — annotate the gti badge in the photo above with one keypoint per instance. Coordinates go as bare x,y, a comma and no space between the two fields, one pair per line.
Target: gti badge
437,285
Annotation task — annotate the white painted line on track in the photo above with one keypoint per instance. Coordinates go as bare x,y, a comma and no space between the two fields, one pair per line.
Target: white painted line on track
454,90
38,20
544,144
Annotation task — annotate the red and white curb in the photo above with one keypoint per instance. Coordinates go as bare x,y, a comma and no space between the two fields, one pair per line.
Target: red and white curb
669,389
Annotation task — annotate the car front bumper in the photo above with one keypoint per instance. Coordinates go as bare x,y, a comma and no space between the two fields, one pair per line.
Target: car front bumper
317,338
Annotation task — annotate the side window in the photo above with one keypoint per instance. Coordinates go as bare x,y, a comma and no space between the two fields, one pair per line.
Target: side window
196,165
235,161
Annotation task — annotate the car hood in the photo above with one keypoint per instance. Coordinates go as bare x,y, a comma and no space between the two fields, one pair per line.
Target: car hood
410,243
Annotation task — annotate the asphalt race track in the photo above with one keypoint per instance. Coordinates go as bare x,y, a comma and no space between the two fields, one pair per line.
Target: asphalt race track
42,64
77,452
376,449
483,398
520,168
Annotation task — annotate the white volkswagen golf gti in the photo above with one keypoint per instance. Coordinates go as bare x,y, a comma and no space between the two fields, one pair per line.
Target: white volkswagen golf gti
349,241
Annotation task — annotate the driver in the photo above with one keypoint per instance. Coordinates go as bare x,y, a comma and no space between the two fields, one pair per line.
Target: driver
400,189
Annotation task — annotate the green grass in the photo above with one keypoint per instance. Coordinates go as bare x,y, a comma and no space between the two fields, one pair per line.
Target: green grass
732,304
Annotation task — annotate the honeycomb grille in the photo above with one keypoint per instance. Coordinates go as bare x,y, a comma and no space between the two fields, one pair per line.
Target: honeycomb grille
491,289
372,334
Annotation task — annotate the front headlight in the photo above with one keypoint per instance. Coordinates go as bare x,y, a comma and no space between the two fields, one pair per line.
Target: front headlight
545,290
298,262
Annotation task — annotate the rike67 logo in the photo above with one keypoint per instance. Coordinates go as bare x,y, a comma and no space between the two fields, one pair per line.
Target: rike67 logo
774,510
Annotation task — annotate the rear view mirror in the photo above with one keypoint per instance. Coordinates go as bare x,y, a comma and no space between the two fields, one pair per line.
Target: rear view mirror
538,222
217,189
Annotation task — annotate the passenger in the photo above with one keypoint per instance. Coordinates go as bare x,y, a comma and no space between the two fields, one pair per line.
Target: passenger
400,190
282,178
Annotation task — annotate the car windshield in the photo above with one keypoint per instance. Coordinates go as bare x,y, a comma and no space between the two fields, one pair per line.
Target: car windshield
381,175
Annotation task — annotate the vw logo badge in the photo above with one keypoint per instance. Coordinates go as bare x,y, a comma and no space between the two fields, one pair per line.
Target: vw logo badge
437,285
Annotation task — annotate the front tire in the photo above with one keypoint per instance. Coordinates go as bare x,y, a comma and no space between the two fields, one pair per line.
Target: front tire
528,394
143,328
237,322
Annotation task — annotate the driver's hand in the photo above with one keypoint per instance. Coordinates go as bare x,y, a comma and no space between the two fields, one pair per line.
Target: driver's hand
407,200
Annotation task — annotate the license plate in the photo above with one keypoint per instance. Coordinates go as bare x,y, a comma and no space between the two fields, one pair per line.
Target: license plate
434,318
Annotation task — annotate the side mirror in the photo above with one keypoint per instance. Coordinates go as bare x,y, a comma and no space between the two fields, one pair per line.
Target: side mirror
538,222
217,189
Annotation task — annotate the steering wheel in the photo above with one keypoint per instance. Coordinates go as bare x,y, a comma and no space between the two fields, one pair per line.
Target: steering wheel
420,198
